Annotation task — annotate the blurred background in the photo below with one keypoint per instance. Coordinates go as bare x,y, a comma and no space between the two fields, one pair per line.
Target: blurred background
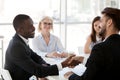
72,19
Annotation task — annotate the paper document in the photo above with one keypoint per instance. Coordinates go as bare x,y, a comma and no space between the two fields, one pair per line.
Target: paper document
79,69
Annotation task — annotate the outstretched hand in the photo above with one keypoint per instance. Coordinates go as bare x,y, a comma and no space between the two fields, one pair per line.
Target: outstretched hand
65,63
75,61
72,61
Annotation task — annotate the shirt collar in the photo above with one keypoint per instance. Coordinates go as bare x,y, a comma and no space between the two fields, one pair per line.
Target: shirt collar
42,36
24,39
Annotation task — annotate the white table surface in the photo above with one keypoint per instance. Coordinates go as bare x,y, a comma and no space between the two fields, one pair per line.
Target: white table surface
64,70
55,61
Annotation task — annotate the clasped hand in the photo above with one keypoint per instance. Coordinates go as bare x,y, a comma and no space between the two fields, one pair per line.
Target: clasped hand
72,61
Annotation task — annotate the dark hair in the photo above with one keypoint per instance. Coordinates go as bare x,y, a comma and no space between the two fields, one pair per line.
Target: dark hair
93,33
19,19
114,14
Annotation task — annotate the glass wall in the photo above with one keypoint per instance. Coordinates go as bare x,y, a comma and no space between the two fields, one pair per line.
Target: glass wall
72,18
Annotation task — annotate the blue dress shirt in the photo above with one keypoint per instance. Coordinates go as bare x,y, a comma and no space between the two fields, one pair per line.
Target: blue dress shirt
41,48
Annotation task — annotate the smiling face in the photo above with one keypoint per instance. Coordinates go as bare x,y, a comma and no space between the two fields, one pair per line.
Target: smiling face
27,30
103,25
97,26
46,25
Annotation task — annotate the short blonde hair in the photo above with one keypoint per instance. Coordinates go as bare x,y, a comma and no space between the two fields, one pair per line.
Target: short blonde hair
44,18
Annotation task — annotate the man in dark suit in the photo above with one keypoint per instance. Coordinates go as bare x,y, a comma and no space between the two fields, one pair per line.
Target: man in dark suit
20,60
104,61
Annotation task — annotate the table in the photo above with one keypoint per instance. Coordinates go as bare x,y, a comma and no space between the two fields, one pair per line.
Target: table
56,61
53,61
64,70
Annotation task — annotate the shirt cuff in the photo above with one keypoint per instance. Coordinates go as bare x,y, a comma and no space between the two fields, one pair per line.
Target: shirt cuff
59,66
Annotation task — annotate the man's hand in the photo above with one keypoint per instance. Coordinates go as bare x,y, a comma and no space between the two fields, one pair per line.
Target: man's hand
68,74
75,61
65,63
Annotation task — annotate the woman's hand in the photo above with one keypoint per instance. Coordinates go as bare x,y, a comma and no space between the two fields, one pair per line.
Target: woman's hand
64,55
53,55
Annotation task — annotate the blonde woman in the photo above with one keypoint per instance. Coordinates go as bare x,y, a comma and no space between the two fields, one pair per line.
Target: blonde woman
47,44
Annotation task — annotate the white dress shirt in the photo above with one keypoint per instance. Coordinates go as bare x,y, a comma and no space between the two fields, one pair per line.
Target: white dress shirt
24,39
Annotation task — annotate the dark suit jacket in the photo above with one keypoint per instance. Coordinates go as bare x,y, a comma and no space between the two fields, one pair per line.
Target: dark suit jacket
22,62
104,61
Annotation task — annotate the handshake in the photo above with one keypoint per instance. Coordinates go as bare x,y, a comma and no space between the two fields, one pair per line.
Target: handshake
72,61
